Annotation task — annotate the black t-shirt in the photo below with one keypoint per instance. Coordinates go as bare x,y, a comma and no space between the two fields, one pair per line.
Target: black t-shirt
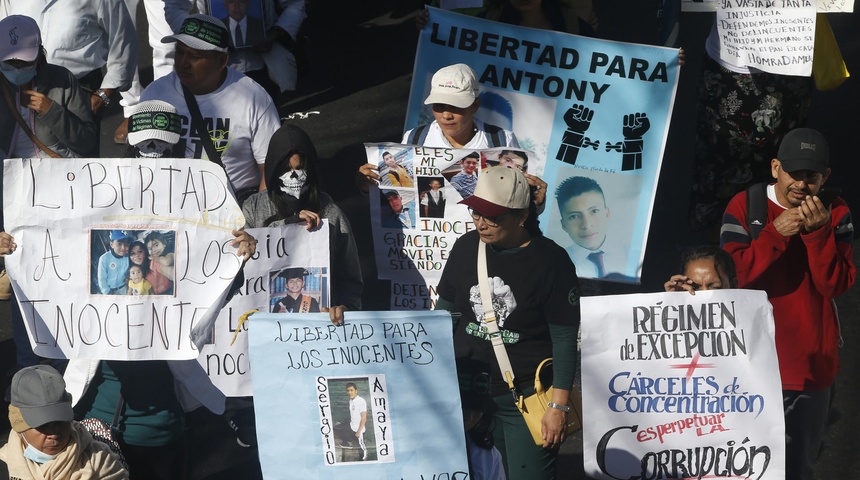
532,287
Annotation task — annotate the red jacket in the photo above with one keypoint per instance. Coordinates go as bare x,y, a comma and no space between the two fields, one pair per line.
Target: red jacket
801,275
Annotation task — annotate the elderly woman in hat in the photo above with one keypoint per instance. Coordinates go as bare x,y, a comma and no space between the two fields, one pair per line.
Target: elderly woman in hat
45,442
535,298
43,112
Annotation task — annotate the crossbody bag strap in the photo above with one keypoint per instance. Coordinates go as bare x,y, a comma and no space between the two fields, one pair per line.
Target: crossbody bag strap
199,127
490,319
7,94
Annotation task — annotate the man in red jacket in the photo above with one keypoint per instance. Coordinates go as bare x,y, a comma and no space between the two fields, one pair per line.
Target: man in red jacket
802,258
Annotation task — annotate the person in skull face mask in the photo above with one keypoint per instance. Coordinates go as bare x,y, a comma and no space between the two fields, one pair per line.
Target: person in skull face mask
294,196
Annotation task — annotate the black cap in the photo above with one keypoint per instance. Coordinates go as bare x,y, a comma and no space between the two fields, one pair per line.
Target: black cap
804,149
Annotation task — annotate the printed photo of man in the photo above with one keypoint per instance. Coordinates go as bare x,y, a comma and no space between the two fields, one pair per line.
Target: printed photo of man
597,250
295,301
400,212
465,181
245,29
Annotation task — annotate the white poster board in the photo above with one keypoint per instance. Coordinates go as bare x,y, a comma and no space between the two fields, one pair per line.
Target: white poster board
70,273
681,386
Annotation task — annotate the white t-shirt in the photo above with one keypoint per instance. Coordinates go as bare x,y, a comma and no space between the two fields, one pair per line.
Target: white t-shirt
357,406
240,117
435,137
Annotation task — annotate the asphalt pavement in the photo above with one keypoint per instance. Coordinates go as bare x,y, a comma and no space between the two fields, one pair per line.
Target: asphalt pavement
362,57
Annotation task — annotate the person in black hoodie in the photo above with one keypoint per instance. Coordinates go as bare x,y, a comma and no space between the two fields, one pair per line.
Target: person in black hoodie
294,196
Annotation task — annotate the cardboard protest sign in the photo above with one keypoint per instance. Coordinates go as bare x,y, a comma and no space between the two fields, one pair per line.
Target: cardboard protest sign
681,386
119,258
597,111
772,36
291,267
376,397
415,213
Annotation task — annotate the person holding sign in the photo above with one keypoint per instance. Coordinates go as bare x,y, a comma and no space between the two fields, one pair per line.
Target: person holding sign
454,100
793,240
704,268
294,196
536,302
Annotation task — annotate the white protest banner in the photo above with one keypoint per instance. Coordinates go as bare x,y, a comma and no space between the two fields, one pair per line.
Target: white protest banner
376,397
119,258
415,214
681,386
594,112
281,252
823,6
773,38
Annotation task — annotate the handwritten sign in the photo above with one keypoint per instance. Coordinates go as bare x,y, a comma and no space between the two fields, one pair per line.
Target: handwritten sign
279,251
823,6
119,258
373,398
681,386
776,36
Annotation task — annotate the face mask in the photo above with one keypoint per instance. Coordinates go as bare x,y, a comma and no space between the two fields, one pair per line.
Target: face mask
294,183
153,148
19,76
35,455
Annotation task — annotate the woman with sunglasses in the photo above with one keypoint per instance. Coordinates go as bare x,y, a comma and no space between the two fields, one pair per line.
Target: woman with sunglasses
536,302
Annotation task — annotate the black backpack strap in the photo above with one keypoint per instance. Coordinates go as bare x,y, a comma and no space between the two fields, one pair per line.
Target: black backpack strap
495,136
417,135
756,208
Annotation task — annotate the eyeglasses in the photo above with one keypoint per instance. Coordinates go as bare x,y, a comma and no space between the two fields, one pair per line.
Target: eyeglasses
490,221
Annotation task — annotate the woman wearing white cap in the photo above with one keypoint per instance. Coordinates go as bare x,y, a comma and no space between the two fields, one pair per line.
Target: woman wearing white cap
453,98
535,298
42,112
45,443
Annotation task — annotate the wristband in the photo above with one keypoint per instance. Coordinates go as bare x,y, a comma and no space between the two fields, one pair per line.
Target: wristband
563,408
104,96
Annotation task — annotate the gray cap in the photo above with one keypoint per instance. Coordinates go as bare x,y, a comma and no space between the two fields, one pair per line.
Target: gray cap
39,393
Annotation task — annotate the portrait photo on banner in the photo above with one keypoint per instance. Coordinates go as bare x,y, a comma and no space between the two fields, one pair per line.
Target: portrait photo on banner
593,220
395,168
463,174
432,197
132,262
298,290
351,406
397,208
244,20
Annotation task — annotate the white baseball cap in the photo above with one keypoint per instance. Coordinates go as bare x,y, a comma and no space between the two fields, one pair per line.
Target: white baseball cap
153,119
454,85
201,32
20,38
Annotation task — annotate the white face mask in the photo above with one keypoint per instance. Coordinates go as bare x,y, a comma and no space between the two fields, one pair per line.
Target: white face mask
153,148
34,455
294,183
